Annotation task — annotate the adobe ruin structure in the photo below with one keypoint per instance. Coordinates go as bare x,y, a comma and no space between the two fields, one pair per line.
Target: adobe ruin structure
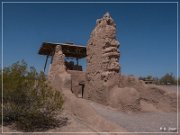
69,74
102,81
103,66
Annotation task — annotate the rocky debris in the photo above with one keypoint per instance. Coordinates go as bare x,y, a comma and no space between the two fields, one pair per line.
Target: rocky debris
103,67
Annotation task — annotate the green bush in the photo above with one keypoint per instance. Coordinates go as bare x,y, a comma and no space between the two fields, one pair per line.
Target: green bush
168,79
28,101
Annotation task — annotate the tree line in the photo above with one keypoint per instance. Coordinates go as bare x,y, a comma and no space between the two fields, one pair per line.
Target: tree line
167,79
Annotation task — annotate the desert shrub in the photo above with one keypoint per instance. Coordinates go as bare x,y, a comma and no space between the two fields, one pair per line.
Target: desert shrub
168,79
28,101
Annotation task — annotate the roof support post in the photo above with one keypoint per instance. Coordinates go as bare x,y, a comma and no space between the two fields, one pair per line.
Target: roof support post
77,61
52,54
46,62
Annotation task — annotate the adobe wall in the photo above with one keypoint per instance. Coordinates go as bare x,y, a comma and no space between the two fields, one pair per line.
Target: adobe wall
57,65
58,71
78,78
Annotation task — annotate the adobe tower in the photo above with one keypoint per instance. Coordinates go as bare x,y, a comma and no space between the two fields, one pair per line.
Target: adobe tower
103,67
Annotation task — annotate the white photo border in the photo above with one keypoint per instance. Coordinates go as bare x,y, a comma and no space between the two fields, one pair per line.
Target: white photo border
78,2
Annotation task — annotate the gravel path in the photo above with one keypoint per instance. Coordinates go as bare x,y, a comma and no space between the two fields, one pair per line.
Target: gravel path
139,122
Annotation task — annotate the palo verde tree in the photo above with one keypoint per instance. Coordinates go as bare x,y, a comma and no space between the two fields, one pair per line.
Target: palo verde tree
28,101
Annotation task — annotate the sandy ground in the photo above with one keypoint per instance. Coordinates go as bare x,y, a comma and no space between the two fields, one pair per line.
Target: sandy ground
138,122
127,122
169,87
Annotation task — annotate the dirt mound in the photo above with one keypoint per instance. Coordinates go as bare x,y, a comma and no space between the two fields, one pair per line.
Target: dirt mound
134,95
124,98
80,109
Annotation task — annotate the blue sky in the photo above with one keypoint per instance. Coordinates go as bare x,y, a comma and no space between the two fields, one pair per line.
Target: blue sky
147,33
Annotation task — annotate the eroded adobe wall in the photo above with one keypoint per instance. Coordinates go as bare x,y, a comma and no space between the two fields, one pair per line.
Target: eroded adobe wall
58,76
77,82
58,64
102,60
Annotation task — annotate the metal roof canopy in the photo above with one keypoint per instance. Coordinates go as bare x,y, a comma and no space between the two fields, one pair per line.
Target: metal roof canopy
68,49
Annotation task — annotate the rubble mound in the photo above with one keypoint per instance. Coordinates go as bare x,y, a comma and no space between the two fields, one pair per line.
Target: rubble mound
133,95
